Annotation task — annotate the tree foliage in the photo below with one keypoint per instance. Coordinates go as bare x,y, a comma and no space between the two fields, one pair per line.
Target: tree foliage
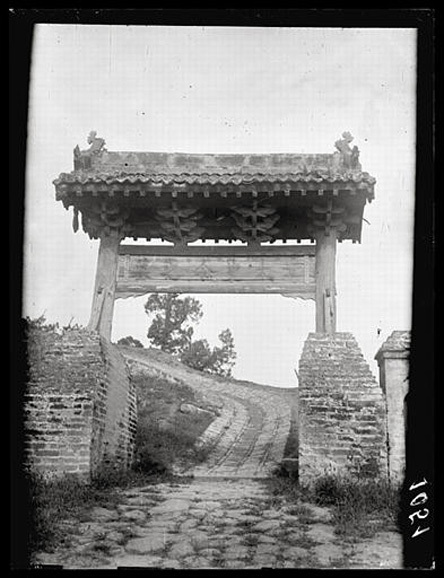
172,331
171,328
129,341
220,360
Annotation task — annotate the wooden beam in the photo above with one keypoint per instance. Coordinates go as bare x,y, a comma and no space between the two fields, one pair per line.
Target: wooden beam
287,289
209,251
105,285
325,278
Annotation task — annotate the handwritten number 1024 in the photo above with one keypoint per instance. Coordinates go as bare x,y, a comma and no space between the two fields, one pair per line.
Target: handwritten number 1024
421,514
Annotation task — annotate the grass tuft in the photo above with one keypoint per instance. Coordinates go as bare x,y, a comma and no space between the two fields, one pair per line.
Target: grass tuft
359,507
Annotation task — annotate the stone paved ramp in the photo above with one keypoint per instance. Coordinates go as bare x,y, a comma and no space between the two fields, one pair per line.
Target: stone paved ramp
233,524
248,438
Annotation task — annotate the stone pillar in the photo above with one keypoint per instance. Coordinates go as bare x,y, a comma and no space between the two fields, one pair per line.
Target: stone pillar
325,276
393,361
341,411
105,286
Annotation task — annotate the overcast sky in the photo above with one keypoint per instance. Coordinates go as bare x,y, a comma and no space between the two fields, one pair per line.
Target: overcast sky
225,89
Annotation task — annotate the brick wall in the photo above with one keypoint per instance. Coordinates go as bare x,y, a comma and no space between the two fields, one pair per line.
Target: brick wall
341,410
80,407
118,429
393,361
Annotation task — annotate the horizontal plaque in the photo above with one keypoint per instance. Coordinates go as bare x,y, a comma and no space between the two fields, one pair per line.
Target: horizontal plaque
144,270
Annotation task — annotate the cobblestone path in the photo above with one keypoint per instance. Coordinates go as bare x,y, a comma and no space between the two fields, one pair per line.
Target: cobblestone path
233,524
248,438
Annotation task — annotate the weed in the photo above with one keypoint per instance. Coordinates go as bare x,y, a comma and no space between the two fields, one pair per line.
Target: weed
251,540
52,500
282,485
329,490
304,542
246,525
218,561
102,547
299,510
359,508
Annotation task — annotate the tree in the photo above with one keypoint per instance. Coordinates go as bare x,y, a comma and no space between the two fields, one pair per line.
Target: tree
198,355
129,341
219,360
171,330
224,356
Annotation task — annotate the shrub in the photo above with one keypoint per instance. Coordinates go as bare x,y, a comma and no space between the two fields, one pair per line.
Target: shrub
130,341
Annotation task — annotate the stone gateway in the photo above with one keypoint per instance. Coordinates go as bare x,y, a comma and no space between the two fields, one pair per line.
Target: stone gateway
317,200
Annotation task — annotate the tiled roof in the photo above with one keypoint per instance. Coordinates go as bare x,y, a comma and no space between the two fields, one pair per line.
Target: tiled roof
209,179
205,169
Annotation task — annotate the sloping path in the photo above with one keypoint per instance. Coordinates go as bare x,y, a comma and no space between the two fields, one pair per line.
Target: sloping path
248,438
231,524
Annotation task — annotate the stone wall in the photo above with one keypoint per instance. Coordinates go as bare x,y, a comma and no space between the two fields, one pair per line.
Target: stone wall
341,410
393,361
80,406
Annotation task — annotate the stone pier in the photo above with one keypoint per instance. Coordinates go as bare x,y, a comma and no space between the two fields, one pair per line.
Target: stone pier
341,411
393,361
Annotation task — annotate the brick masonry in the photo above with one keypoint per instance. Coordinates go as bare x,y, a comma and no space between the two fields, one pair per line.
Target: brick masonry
80,406
341,411
393,361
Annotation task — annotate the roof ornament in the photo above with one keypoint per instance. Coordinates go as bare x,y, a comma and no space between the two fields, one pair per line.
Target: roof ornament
82,159
349,157
96,143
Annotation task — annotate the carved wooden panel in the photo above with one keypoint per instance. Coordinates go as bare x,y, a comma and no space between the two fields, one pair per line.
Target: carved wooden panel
289,270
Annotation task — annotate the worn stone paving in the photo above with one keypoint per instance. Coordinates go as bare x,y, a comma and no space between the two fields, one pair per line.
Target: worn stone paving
227,524
248,438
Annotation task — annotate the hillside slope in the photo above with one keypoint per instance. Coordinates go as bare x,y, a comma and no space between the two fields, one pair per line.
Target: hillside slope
254,424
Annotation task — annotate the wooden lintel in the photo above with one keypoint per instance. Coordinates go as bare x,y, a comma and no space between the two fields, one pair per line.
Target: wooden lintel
208,251
222,287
